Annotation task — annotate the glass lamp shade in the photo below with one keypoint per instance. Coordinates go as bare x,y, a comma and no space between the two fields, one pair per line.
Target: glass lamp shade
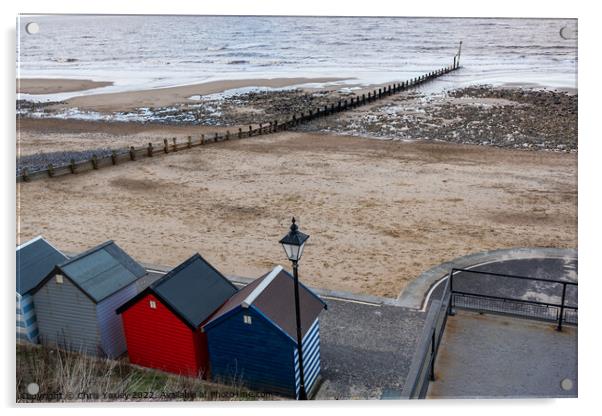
294,242
293,252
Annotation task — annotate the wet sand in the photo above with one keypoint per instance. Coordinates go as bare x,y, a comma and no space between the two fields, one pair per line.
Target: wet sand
58,135
162,97
379,212
56,85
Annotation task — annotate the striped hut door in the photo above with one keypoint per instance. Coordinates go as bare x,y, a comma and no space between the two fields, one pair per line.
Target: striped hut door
311,358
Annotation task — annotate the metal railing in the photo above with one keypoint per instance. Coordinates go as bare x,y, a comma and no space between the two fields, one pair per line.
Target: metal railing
422,370
562,312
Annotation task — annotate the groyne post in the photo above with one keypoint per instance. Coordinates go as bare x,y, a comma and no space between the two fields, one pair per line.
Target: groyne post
165,146
150,150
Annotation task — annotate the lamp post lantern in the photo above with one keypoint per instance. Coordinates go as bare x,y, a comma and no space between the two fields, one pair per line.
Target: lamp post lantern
293,244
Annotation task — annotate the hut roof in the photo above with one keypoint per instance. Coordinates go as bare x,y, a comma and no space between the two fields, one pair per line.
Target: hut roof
35,259
273,295
193,291
101,271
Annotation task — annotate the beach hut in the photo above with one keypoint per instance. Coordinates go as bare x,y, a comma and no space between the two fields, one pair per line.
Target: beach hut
35,259
76,302
252,338
162,324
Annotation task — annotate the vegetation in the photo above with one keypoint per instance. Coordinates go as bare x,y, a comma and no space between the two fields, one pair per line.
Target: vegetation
53,375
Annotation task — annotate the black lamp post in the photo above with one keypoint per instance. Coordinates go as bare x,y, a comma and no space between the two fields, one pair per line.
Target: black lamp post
293,244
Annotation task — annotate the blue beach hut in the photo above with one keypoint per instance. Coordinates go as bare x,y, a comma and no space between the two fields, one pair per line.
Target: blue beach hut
35,259
252,338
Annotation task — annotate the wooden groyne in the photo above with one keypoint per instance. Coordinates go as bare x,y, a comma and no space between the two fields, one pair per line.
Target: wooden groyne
171,146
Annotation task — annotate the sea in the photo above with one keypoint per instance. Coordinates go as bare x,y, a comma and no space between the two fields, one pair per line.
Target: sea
143,52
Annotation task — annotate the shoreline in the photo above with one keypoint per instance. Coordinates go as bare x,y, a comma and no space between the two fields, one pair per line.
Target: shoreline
43,86
167,96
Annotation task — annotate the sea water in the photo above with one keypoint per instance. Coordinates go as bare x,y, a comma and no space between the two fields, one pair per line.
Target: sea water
142,52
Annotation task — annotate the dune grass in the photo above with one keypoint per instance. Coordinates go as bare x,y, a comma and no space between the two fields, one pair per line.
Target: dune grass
53,375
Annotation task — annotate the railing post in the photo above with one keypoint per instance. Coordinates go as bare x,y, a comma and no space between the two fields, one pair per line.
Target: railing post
433,346
450,310
561,307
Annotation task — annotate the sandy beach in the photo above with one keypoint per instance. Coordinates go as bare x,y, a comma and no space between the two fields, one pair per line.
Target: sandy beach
379,212
56,85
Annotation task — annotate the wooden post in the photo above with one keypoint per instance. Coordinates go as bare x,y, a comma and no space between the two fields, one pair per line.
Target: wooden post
275,125
339,106
94,161
189,142
149,150
72,165
260,128
132,153
202,139
215,138
50,170
239,133
165,146
251,130
175,146
227,134
332,108
369,96
113,157
25,175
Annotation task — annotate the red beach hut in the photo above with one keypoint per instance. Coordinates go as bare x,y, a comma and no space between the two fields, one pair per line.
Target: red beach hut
162,323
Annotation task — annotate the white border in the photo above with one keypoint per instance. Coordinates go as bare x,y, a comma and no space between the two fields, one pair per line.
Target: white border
589,190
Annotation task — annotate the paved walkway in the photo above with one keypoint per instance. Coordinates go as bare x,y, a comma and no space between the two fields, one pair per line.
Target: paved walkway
489,356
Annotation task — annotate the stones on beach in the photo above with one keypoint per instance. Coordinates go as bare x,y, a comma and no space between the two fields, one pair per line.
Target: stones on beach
483,115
